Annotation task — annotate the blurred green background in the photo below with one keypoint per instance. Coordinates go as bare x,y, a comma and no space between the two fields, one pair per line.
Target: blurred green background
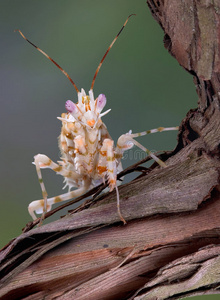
144,85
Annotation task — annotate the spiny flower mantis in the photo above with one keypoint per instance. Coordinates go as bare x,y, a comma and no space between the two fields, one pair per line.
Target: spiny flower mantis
89,156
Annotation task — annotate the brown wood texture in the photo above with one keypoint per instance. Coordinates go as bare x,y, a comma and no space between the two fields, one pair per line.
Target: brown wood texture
170,247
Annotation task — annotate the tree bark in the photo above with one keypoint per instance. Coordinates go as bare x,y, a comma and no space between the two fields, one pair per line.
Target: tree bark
170,247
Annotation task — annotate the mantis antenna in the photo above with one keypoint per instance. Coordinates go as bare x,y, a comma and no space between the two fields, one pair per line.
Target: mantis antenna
101,62
56,64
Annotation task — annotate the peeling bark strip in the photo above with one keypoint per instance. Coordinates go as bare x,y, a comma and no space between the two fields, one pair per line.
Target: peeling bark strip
170,247
185,275
191,33
192,36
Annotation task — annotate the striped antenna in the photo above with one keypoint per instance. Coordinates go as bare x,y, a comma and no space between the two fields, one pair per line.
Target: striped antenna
101,62
45,54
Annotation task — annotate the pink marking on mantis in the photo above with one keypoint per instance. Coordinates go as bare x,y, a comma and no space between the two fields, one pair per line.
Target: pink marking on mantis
71,107
101,102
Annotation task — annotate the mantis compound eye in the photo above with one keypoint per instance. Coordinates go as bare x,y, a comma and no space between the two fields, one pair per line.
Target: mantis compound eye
101,102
